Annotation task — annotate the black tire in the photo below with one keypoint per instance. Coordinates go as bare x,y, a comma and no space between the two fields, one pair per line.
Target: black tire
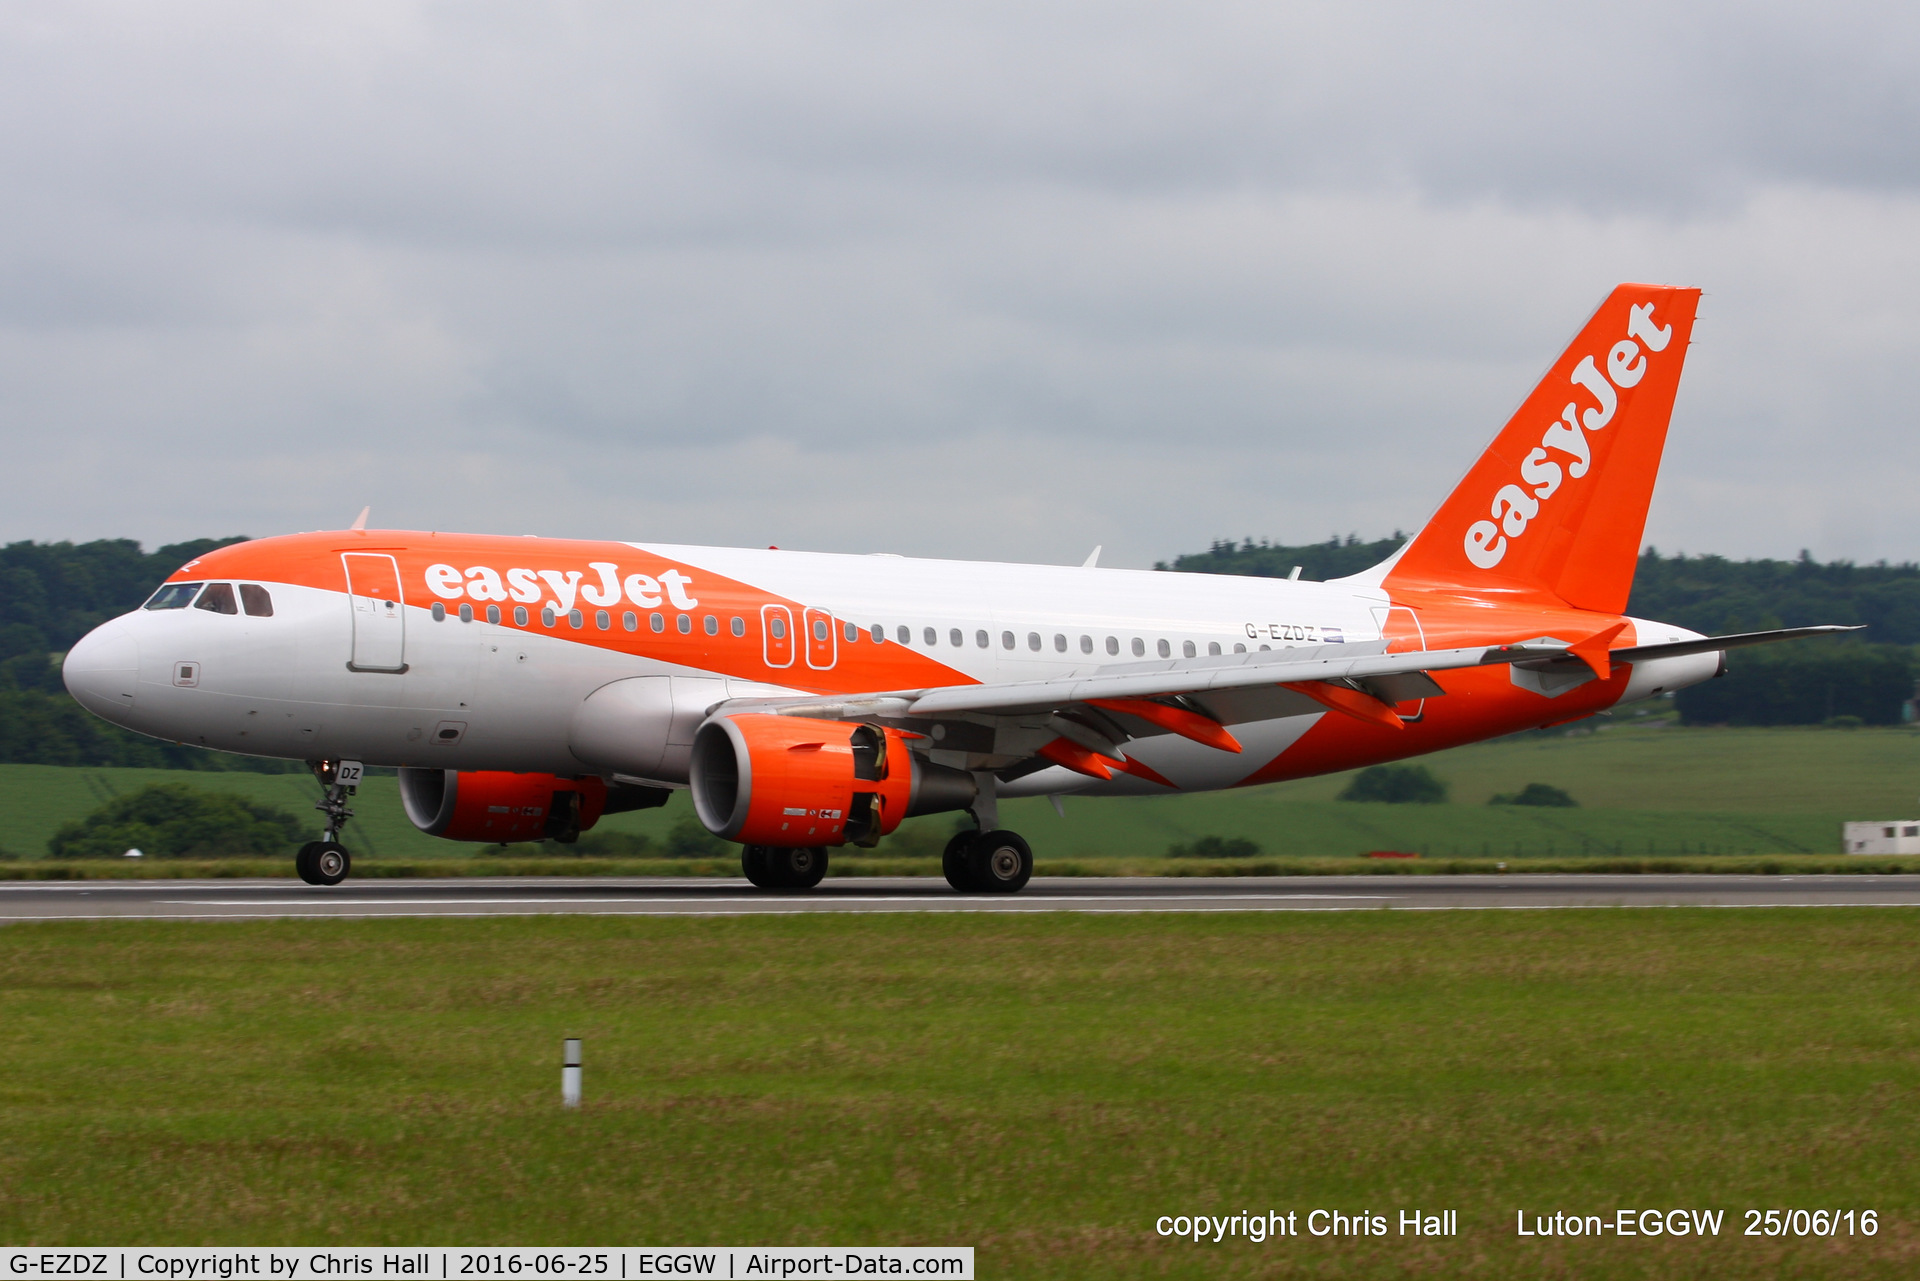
999,862
323,863
954,862
753,861
799,868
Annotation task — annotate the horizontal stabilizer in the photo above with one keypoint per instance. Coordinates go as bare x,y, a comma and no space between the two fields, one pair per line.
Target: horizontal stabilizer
1708,644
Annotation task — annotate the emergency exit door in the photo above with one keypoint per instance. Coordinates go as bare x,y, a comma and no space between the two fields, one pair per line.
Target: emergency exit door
1400,628
379,612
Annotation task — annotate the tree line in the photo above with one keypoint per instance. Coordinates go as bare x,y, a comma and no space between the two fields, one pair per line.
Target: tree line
1865,678
51,594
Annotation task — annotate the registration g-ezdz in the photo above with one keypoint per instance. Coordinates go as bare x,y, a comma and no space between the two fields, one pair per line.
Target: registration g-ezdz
54,1264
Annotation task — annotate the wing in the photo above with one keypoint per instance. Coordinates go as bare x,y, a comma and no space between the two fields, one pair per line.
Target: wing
1084,721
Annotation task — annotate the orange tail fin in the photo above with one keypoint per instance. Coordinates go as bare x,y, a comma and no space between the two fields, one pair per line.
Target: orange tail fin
1559,500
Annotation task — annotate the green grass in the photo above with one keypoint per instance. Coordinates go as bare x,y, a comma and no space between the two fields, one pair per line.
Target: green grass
848,865
1040,1087
1644,791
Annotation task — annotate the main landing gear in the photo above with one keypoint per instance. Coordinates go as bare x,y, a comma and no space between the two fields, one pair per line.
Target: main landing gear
775,867
326,861
993,862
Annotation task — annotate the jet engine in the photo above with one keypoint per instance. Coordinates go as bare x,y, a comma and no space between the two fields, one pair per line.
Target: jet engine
495,806
792,782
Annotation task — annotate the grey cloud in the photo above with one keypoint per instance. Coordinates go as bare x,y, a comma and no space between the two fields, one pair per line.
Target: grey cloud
998,280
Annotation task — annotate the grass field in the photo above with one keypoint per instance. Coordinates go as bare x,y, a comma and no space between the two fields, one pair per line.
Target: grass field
1040,1087
1643,791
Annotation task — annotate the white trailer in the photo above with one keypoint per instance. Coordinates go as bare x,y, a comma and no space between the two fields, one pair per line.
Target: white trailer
1892,836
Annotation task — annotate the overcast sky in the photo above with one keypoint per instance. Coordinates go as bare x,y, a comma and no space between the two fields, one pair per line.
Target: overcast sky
977,280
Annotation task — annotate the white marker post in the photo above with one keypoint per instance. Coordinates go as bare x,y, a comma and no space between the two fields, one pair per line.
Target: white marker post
570,1073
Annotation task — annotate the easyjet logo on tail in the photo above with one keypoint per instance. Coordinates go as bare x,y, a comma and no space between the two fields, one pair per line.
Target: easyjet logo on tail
483,583
1514,506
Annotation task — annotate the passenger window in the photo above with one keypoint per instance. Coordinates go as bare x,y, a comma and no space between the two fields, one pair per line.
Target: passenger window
710,625
1006,640
931,637
602,620
659,623
1213,647
1113,644
1139,647
879,634
466,613
1187,649
1033,641
905,634
493,613
1086,644
1166,651
980,639
685,623
819,629
955,637
851,631
218,599
738,626
1060,642
1240,649
173,596
630,621
254,598
519,615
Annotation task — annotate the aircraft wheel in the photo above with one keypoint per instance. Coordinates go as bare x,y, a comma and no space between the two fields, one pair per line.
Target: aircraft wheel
953,863
999,862
753,861
799,868
323,863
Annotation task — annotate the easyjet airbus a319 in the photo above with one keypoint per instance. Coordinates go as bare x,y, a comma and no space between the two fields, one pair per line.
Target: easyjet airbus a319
526,687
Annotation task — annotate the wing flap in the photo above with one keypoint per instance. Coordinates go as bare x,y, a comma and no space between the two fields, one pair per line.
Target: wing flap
1201,676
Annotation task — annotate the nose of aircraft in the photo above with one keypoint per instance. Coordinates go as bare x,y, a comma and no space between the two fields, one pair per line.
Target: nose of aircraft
102,668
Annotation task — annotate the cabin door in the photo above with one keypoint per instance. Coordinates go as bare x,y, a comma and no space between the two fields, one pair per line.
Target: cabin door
379,612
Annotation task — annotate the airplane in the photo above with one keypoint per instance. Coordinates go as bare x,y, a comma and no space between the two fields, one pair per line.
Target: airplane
526,687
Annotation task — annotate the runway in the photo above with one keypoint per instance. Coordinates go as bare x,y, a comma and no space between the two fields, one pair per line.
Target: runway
256,899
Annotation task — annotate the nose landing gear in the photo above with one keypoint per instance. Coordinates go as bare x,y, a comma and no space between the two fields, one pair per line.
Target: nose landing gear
323,863
326,861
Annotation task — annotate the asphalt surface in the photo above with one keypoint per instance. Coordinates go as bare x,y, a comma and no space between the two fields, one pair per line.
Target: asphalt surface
253,899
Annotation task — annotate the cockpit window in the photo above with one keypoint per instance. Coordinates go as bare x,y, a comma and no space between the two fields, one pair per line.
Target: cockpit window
258,603
173,596
218,599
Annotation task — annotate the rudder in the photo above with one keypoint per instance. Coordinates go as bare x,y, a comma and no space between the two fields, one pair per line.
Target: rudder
1559,500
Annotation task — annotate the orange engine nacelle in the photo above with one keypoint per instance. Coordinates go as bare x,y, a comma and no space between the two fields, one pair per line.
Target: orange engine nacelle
788,781
492,805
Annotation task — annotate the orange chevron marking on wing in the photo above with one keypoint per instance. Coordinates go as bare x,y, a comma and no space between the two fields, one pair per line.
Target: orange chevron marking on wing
1351,702
1078,759
1140,769
1175,720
